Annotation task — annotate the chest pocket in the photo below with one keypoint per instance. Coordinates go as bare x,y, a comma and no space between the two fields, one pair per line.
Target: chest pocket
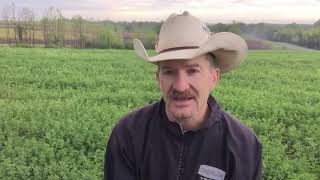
210,173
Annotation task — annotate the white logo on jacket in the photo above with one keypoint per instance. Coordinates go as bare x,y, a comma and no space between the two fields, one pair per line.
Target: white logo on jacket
210,173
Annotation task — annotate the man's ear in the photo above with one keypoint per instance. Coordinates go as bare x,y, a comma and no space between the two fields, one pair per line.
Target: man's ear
158,72
157,75
215,77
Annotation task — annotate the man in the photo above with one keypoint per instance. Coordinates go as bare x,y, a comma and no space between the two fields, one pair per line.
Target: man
186,135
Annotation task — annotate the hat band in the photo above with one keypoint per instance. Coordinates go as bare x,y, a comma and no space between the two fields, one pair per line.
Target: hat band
178,48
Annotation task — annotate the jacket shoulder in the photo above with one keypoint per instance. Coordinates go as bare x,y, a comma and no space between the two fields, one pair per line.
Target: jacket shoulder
245,148
238,132
138,119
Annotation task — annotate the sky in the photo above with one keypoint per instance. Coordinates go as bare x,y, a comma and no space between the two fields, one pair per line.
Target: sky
209,11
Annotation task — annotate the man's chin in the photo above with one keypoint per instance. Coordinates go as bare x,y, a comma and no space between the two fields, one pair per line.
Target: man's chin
179,115
180,111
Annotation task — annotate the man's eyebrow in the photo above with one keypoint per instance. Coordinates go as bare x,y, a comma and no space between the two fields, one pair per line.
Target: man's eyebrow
165,67
192,65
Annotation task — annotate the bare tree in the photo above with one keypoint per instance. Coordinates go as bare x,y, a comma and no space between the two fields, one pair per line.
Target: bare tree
31,22
26,26
5,16
33,29
11,10
78,36
60,27
44,23
53,24
48,26
20,25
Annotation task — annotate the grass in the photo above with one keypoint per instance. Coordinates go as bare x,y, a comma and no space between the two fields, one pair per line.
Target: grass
58,107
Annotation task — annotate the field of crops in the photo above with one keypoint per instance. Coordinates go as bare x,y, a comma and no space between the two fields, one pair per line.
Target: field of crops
58,106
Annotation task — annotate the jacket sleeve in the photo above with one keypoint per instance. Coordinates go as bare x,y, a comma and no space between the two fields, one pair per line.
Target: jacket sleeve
246,151
118,164
258,170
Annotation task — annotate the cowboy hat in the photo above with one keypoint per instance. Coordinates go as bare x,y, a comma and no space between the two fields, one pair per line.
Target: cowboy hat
183,36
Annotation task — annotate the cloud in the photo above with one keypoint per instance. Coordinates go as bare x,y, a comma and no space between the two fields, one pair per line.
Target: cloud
156,10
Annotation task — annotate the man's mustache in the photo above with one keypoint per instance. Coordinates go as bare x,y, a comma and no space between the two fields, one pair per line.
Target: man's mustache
181,94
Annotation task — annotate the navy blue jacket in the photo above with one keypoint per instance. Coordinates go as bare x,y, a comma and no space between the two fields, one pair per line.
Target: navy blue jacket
145,145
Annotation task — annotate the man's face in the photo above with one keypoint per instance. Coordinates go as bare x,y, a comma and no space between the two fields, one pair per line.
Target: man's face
185,85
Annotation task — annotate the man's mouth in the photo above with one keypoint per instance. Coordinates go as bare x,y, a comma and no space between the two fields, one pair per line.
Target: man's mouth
183,101
183,98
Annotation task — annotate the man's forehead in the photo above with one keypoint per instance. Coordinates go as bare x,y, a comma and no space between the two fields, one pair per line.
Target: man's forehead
196,62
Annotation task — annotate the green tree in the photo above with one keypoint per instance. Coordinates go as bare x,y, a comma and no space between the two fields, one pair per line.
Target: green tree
317,24
108,38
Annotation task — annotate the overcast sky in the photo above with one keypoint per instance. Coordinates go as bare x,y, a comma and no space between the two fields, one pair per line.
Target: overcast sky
210,11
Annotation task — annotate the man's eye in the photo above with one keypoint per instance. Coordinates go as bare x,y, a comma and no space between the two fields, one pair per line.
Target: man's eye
168,72
192,71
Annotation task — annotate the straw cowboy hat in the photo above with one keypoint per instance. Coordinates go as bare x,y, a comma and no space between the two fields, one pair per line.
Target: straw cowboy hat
183,36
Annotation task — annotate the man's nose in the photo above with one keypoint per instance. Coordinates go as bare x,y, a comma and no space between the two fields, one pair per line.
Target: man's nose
181,82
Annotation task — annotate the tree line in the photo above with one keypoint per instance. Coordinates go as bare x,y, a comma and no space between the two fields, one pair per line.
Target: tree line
299,34
19,27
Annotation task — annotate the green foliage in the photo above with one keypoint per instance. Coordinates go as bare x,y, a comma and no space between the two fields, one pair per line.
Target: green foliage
275,93
236,28
55,31
58,107
297,34
109,39
148,39
317,23
306,36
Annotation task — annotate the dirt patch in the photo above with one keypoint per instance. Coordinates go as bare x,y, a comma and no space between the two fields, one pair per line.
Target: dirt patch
257,44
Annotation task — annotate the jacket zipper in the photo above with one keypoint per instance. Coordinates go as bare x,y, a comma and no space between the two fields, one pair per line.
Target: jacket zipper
181,157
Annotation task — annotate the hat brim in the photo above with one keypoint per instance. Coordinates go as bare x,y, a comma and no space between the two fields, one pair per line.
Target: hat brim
229,49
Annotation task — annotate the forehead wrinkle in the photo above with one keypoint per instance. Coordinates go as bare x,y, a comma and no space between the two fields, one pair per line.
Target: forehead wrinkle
184,65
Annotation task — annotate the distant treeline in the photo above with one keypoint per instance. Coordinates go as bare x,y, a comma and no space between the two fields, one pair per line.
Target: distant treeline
303,35
20,28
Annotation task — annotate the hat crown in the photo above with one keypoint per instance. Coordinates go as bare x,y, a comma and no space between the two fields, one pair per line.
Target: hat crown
181,30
